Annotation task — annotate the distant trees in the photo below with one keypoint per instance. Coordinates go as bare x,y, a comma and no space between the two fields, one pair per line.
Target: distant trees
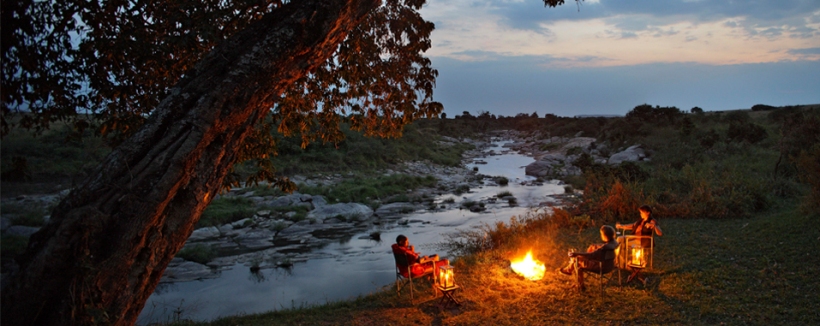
656,115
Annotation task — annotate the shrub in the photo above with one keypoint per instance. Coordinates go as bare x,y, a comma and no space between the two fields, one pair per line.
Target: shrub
503,194
199,253
747,132
226,210
501,181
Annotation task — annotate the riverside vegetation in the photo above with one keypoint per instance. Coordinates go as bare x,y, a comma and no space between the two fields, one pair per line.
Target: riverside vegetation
737,194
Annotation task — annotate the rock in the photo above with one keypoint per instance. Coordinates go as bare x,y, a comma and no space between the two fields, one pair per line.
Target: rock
4,224
224,229
200,234
632,154
263,214
348,211
255,239
19,230
394,209
186,271
294,199
319,201
545,165
581,142
241,223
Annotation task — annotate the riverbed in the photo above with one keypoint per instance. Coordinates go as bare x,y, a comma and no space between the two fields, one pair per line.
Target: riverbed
354,265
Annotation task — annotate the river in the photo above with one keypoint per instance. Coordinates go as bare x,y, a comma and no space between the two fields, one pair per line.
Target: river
352,266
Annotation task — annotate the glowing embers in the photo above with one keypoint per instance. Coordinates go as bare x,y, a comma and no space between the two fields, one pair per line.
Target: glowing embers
529,268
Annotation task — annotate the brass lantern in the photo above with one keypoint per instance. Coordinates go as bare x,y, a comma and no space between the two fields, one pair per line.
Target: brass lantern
637,257
446,278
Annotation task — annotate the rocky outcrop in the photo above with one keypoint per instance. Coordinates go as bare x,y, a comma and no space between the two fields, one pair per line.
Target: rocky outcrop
200,234
295,199
180,270
395,209
633,153
345,211
20,230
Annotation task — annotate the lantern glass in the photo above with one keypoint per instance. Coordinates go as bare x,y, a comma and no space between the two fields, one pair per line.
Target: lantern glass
637,257
446,277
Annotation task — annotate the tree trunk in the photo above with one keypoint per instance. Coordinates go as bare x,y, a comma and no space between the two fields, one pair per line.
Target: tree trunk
102,253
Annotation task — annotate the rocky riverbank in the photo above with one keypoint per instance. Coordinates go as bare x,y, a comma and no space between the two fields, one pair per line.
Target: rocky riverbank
271,238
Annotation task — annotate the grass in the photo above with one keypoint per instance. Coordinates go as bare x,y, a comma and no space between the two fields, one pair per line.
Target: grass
368,190
226,210
707,272
199,253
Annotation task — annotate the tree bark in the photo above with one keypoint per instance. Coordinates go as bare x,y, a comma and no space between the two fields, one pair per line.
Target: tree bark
108,242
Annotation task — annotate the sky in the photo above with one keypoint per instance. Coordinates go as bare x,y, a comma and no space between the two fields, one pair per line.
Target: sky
604,57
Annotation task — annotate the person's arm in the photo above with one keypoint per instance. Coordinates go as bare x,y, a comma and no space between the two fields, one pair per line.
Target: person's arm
414,257
658,230
589,254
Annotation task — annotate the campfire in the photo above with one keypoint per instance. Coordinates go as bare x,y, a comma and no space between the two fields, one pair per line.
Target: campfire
529,268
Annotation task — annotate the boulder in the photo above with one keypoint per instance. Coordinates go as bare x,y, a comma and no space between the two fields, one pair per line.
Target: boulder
183,271
294,199
394,209
200,234
348,211
546,165
632,154
19,230
319,201
255,239
5,223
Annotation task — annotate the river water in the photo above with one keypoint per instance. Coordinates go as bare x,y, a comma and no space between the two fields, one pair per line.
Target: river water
351,266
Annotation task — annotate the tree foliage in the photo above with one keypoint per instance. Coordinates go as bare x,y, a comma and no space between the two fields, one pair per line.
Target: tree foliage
117,59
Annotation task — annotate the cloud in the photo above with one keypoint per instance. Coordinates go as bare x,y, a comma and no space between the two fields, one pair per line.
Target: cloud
809,54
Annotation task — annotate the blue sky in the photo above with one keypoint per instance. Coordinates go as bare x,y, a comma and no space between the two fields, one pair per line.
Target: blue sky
608,56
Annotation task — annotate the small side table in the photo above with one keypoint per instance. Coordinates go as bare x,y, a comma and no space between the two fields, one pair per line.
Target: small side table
448,298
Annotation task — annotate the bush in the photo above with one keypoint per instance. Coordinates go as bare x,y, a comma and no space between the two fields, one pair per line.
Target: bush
501,181
226,210
747,132
199,253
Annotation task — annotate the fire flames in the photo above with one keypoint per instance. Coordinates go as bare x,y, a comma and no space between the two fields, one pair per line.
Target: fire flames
529,268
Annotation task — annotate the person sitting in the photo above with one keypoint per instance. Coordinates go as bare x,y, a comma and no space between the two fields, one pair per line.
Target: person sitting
643,227
426,263
589,260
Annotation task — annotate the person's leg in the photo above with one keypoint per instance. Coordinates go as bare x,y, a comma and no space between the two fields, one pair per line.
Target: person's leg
569,268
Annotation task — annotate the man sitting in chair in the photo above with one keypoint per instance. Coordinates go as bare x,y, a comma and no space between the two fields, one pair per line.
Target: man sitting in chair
426,263
589,261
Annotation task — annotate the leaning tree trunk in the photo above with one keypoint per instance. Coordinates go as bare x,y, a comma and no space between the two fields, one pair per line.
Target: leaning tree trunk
102,253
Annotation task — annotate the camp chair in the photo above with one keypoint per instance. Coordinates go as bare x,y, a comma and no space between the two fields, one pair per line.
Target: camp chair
407,278
606,267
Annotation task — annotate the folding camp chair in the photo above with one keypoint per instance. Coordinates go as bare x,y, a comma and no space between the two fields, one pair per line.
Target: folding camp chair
407,278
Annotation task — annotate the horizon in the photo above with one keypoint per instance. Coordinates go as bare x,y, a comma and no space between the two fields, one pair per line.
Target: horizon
606,57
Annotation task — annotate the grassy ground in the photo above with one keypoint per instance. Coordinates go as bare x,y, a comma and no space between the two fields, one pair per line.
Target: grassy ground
760,270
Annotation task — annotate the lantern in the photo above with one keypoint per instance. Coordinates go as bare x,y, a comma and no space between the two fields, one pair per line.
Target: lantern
446,278
637,258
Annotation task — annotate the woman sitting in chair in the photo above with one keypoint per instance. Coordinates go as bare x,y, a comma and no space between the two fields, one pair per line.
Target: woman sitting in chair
598,258
643,227
425,263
